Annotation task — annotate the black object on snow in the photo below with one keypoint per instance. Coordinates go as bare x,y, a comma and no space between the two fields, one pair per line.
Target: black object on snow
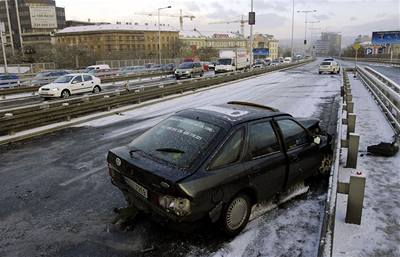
384,149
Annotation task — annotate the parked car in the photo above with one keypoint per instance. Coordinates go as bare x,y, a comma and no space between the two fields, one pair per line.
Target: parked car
131,70
70,84
9,80
189,70
259,63
275,62
97,67
216,162
329,66
45,77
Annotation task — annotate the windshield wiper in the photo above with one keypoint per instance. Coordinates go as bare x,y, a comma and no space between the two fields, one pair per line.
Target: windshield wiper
169,150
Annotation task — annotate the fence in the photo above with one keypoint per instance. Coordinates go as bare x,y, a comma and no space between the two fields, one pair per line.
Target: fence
115,64
28,67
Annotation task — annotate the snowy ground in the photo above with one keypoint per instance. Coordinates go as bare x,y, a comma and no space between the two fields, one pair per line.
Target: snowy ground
56,198
379,232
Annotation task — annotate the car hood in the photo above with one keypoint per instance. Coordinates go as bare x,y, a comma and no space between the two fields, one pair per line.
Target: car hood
52,85
144,169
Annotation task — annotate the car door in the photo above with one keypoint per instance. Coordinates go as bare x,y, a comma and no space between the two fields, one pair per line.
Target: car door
77,84
265,162
302,152
89,83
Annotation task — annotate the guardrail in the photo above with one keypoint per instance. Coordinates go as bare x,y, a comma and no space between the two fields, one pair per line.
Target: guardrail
386,93
22,118
375,60
108,79
356,185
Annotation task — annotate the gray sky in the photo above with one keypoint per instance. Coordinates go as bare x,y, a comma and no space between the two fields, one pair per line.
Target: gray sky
350,17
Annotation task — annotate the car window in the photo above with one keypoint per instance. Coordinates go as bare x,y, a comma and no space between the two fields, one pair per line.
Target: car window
230,152
326,63
77,79
177,140
87,78
262,140
294,135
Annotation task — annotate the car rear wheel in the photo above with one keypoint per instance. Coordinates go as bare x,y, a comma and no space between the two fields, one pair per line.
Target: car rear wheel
236,215
320,72
65,94
96,90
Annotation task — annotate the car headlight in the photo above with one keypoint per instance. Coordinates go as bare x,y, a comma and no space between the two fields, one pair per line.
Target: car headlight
188,71
180,206
54,89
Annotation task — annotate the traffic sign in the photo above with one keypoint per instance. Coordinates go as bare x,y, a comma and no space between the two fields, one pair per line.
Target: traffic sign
368,51
356,46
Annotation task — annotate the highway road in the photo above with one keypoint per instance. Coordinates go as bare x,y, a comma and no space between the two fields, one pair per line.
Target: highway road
57,199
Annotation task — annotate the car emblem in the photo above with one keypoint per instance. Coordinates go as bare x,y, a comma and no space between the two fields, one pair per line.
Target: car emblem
118,161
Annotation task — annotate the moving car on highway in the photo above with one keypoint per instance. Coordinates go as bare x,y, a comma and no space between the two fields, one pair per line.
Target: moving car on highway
45,77
329,66
131,70
189,70
259,63
8,80
71,84
216,162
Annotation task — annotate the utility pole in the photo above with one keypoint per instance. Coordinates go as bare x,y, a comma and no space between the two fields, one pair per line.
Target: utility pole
306,12
159,32
292,46
252,21
19,28
9,28
2,29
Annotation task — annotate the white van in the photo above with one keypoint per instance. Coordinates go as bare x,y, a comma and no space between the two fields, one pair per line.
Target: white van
97,67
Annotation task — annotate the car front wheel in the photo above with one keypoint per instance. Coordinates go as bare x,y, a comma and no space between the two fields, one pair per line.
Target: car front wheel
236,215
65,94
96,90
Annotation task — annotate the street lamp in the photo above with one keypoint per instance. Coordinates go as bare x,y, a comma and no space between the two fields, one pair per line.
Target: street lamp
291,44
9,28
159,32
305,25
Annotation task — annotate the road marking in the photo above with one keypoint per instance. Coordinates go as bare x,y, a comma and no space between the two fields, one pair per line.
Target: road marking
85,174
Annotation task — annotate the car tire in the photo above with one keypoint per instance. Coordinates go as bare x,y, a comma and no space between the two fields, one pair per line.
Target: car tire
320,72
326,165
65,94
96,90
235,215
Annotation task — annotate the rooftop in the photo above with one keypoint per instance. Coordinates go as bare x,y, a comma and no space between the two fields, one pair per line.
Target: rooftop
116,27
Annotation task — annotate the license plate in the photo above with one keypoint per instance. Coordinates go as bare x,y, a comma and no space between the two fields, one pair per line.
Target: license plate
138,188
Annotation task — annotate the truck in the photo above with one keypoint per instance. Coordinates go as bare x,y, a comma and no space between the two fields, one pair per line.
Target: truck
232,60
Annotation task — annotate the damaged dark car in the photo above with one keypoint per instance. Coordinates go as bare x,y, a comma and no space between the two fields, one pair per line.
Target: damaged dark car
215,162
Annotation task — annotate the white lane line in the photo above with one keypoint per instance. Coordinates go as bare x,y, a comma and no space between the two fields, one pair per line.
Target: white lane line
85,174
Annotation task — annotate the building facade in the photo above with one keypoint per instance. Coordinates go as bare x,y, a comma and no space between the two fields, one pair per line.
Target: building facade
39,20
267,41
107,39
330,44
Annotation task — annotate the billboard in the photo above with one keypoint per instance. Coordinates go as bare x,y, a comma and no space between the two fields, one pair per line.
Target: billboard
43,17
385,37
261,51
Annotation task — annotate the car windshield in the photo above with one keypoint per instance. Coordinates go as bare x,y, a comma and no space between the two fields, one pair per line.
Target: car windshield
224,61
186,65
177,140
63,79
326,63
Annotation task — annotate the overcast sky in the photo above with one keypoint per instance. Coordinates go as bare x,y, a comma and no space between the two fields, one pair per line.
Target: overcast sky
350,17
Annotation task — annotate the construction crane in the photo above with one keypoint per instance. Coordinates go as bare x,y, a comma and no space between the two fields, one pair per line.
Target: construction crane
242,22
180,16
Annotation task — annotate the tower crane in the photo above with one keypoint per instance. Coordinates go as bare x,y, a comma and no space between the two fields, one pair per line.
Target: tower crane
241,21
180,16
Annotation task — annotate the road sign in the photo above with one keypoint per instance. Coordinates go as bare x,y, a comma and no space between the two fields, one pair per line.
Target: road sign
260,51
356,46
385,37
252,18
368,51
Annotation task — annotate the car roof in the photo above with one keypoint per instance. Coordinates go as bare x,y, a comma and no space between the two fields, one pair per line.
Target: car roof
231,113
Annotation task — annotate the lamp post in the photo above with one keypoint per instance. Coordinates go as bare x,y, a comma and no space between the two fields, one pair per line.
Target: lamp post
291,44
2,29
251,23
9,28
159,32
306,12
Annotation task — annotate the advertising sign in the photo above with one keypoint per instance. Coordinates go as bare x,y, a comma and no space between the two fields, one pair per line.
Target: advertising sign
43,17
261,51
385,37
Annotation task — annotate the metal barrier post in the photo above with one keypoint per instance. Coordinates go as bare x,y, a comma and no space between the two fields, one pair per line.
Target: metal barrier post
355,198
352,154
351,123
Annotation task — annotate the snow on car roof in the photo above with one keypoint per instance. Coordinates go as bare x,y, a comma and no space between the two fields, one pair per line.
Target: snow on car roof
115,27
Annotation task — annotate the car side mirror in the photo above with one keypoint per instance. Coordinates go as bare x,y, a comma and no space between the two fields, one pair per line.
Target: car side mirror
317,140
